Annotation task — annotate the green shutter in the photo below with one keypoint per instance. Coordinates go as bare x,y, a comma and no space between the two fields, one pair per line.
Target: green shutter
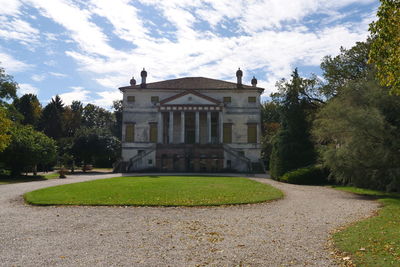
130,132
227,99
252,99
227,133
153,133
251,133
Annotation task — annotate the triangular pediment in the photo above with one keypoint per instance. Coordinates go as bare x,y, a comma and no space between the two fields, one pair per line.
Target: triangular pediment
190,97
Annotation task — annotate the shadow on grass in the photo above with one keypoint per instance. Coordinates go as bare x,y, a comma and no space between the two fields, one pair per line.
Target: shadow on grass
21,179
88,172
367,194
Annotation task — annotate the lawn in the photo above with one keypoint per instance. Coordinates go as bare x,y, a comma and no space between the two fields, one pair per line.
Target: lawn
374,241
157,191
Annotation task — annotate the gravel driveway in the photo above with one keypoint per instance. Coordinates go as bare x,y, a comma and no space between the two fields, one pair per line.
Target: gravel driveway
291,231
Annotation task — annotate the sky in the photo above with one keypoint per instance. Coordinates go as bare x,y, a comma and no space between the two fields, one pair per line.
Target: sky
85,49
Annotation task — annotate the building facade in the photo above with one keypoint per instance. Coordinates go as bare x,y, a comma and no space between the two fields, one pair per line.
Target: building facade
191,124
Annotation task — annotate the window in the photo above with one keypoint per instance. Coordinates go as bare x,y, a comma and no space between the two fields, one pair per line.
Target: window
150,162
153,132
252,99
131,98
252,133
227,99
229,164
227,134
130,132
154,99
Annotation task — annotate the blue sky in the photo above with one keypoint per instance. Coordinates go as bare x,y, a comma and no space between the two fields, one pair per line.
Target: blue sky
84,50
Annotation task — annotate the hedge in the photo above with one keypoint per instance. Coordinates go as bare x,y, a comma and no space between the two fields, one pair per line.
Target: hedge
312,175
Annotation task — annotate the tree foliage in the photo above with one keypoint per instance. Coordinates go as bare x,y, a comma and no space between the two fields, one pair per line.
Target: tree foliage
270,118
95,146
30,108
51,122
292,147
5,128
350,65
360,133
97,117
385,50
8,88
118,109
27,149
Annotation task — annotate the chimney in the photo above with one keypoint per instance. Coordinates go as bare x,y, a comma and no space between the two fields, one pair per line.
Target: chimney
144,75
132,81
239,75
254,81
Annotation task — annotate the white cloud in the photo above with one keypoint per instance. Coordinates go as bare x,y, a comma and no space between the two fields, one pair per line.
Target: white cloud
10,7
123,17
106,98
13,65
17,29
85,33
26,88
50,62
58,74
78,93
38,77
266,35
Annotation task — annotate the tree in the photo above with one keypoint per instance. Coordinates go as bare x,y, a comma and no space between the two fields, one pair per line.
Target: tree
118,109
27,149
95,146
5,127
97,117
360,135
29,106
350,65
292,147
385,50
8,88
270,118
72,118
51,121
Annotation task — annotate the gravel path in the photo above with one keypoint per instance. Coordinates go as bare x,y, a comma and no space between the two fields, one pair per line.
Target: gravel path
292,231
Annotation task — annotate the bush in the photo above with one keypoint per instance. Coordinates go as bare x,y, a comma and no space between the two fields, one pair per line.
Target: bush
313,175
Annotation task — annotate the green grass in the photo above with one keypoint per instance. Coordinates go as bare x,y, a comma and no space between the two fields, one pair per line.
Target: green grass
376,240
157,191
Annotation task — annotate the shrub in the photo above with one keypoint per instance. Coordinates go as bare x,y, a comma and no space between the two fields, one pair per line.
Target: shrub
313,175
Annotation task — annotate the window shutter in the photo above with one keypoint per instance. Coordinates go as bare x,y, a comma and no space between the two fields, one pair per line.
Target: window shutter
227,99
227,133
252,99
153,133
130,132
252,133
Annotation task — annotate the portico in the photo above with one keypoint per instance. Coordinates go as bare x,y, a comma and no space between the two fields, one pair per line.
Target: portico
189,125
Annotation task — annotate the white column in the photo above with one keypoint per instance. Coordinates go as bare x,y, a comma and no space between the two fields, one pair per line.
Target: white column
197,128
209,127
160,128
182,127
221,127
171,127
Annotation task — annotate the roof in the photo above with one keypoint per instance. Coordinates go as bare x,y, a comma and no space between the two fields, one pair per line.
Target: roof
188,83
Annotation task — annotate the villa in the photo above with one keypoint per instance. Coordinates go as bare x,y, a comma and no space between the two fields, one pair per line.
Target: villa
191,124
